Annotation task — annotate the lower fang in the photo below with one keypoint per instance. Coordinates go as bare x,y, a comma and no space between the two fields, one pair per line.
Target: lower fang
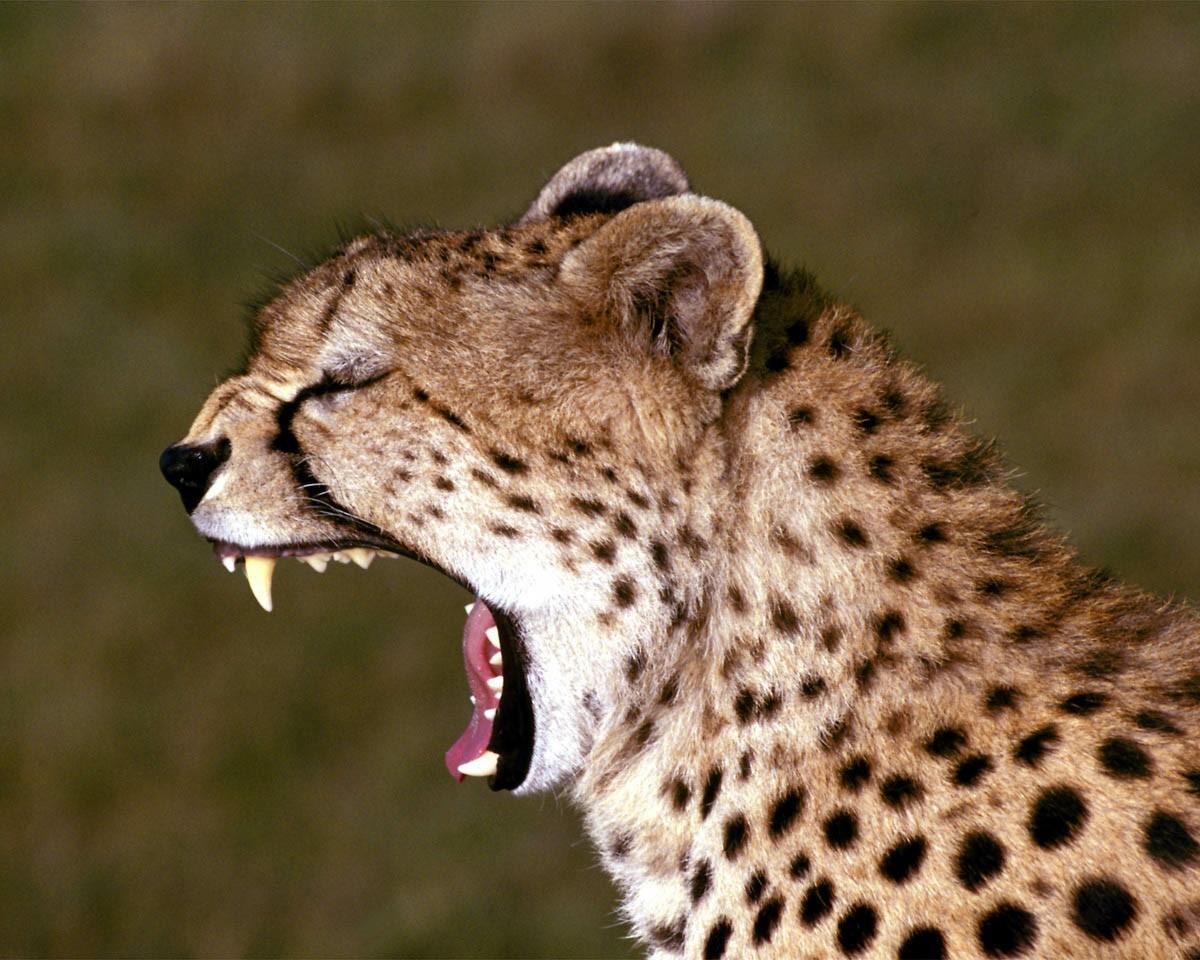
489,713
230,563
469,607
482,766
496,659
496,684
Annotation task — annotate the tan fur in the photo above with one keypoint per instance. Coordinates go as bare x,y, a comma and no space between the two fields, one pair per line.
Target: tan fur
753,558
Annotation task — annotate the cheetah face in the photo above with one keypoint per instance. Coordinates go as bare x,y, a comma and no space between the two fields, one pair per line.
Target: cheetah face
468,400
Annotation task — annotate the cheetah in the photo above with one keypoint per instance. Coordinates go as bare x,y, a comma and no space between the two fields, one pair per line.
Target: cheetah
820,679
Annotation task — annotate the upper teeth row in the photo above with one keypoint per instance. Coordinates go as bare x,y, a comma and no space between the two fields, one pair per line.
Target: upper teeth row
260,570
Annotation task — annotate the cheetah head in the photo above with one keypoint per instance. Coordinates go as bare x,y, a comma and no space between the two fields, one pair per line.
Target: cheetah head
496,404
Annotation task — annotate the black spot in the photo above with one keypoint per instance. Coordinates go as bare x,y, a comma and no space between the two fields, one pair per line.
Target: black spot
669,691
946,742
444,483
658,551
784,616
972,468
880,468
784,812
839,343
798,869
817,903
1000,698
1084,703
899,791
624,525
797,332
500,529
841,830
1169,841
923,944
901,570
507,463
1057,816
1007,931
453,418
701,880
483,477
864,673
855,774
866,421
894,401
609,474
812,687
756,886
681,793
857,929
590,508
1193,779
777,360
888,625
736,832
621,845
1103,909
991,587
562,536
903,860
604,550
718,939
744,763
980,857
420,395
635,664
1156,721
624,591
712,787
823,470
767,920
670,936
800,416
743,706
769,705
642,735
1032,748
520,502
955,629
831,637
970,769
850,533
1124,759
931,533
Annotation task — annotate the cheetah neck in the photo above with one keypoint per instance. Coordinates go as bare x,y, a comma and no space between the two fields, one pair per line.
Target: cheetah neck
849,544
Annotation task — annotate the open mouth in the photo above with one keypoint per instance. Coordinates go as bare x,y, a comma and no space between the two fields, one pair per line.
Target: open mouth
498,741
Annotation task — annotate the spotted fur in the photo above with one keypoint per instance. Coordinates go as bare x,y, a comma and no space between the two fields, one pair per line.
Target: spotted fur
821,681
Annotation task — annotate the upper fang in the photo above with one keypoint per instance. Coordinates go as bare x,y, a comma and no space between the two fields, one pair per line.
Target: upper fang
259,571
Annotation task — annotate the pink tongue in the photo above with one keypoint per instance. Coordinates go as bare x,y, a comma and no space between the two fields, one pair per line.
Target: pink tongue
477,651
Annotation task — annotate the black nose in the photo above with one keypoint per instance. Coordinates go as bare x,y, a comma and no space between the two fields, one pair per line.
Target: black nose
189,468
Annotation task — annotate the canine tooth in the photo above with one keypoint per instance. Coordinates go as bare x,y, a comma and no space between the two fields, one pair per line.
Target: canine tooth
490,713
361,556
496,684
496,659
317,563
259,571
482,766
493,634
230,563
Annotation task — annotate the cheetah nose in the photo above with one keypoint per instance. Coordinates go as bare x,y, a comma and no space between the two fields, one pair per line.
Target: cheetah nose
189,468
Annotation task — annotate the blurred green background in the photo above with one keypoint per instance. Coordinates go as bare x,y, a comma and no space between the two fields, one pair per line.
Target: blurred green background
1013,190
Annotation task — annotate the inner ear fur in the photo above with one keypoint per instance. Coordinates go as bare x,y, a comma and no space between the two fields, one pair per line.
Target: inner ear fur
681,276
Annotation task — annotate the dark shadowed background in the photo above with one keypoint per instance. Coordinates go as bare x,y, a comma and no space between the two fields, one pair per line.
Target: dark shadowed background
1014,191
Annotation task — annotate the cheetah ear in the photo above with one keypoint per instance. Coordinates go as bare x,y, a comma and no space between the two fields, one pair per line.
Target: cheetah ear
681,276
607,180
